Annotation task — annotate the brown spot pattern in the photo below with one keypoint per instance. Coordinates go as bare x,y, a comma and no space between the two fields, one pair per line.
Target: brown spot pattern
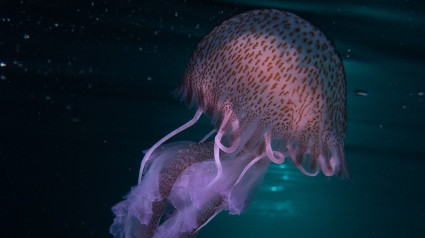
280,74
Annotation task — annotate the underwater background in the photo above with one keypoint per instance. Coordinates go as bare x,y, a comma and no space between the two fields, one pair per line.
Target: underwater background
86,86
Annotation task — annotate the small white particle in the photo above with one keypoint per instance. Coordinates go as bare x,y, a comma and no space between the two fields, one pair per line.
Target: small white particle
26,36
360,93
149,78
420,94
3,64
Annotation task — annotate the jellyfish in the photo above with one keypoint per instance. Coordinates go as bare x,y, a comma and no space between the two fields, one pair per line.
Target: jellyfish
274,88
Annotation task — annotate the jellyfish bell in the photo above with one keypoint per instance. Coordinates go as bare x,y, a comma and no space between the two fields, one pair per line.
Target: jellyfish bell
274,87
273,71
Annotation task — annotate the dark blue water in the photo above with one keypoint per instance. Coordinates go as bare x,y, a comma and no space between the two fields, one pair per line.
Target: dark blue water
85,86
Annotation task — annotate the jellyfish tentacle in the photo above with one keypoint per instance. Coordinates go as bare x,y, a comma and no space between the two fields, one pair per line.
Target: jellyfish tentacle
294,154
272,154
165,138
218,164
255,160
208,220
235,127
218,145
301,168
207,136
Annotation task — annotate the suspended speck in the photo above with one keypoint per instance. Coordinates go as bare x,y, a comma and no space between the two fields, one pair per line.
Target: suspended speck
155,32
56,24
140,48
48,98
348,53
74,119
26,36
176,14
92,4
49,61
3,77
403,107
149,78
381,126
2,64
359,92
68,107
420,94
188,35
197,26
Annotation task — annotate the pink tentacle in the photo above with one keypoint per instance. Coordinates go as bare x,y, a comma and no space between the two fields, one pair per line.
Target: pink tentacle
218,163
273,154
207,136
235,126
165,138
218,145
255,160
293,155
